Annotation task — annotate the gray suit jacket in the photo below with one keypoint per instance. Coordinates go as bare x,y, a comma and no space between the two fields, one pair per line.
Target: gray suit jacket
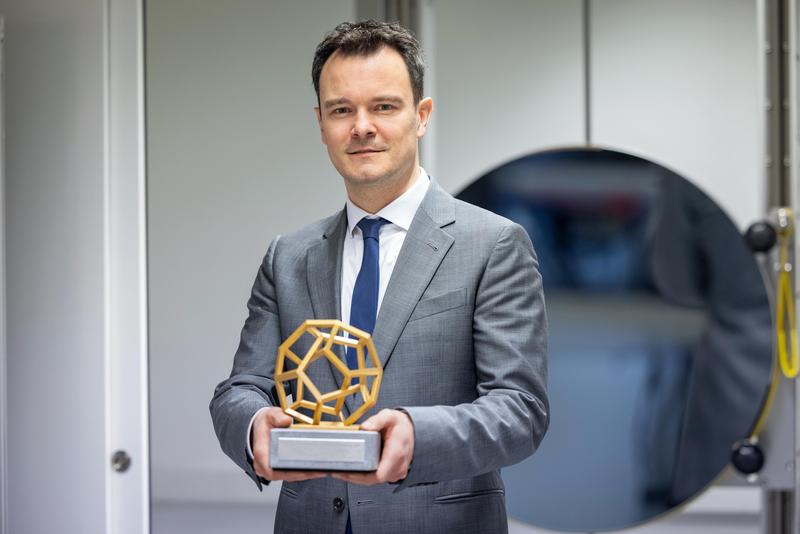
462,337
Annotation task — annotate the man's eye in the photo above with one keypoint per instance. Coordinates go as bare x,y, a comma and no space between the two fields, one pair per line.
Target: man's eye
385,107
340,111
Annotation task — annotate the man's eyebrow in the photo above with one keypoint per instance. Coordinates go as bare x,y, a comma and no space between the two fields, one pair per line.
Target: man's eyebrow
335,102
382,98
388,98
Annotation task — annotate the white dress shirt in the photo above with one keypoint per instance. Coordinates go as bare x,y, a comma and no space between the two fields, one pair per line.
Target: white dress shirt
400,212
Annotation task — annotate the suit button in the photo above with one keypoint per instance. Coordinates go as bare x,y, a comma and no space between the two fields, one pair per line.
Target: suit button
338,505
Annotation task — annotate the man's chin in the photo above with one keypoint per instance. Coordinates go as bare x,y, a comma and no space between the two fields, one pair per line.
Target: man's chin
365,179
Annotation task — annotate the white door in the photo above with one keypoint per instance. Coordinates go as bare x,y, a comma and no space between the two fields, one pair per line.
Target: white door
74,268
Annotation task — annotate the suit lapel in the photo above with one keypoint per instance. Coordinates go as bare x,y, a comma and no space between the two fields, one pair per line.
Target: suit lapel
425,245
324,270
423,250
324,277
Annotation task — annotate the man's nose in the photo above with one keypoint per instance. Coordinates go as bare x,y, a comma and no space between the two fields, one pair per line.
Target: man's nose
363,125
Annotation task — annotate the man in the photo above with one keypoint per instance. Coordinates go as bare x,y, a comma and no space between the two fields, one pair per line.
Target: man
454,301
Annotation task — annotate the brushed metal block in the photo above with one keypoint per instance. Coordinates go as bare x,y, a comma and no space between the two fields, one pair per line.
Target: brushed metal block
324,450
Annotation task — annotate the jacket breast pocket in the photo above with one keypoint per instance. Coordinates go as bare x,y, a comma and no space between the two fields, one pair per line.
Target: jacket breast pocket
439,303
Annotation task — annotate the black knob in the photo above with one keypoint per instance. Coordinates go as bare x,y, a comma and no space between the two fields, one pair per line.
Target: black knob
761,236
747,457
338,505
120,461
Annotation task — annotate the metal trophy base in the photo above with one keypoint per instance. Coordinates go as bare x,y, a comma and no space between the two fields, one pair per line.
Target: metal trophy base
324,450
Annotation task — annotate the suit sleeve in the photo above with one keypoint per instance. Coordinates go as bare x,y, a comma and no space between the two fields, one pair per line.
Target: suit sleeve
250,386
509,418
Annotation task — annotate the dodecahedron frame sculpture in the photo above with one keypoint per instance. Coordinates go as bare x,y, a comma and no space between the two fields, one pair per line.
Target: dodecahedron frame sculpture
328,333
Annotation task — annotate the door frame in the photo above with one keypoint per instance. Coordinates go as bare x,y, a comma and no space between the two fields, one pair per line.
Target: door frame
3,330
125,258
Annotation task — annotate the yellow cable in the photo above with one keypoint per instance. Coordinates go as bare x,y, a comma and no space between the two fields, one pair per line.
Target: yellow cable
765,410
787,355
781,365
784,307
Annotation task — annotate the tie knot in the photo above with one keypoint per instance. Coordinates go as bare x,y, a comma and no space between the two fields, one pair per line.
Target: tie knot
371,227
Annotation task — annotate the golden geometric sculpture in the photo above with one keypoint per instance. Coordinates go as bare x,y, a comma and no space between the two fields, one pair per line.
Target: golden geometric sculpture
328,333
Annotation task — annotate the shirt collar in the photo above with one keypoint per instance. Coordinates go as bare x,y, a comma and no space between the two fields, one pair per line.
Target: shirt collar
400,211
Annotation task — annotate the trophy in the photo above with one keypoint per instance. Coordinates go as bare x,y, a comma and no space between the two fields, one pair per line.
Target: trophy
312,443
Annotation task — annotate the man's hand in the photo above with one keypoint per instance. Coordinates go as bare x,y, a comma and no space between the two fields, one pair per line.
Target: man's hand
397,433
266,421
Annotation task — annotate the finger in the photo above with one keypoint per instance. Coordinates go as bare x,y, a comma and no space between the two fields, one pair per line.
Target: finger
379,421
288,475
393,465
296,476
366,479
388,469
278,418
273,417
261,470
261,451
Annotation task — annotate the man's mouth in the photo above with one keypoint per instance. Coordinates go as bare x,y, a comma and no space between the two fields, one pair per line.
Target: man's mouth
364,151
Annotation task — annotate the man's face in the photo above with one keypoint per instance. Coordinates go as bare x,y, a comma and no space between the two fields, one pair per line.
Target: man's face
368,119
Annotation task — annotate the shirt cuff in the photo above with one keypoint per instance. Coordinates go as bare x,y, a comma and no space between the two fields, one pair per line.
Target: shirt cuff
248,437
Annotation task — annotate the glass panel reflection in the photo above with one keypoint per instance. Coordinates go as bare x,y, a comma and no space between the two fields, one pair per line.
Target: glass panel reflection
660,336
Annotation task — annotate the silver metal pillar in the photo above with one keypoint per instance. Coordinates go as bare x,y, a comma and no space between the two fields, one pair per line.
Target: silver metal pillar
778,512
780,479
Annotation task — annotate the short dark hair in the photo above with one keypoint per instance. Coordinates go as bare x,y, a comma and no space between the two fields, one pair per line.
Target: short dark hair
367,37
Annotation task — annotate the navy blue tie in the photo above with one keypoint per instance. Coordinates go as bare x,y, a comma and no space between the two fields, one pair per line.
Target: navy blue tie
364,306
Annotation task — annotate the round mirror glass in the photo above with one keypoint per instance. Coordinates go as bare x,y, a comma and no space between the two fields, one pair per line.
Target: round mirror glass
660,336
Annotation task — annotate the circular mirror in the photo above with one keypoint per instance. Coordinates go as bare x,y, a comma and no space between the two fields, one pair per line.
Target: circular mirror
660,336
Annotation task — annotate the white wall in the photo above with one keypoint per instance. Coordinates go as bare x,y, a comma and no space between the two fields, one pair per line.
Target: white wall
54,225
234,159
678,82
507,80
675,82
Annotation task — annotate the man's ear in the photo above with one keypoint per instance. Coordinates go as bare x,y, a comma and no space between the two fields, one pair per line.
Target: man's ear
319,122
424,110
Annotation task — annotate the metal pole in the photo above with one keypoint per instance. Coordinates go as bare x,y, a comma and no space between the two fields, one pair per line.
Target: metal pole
777,62
780,514
787,501
777,515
